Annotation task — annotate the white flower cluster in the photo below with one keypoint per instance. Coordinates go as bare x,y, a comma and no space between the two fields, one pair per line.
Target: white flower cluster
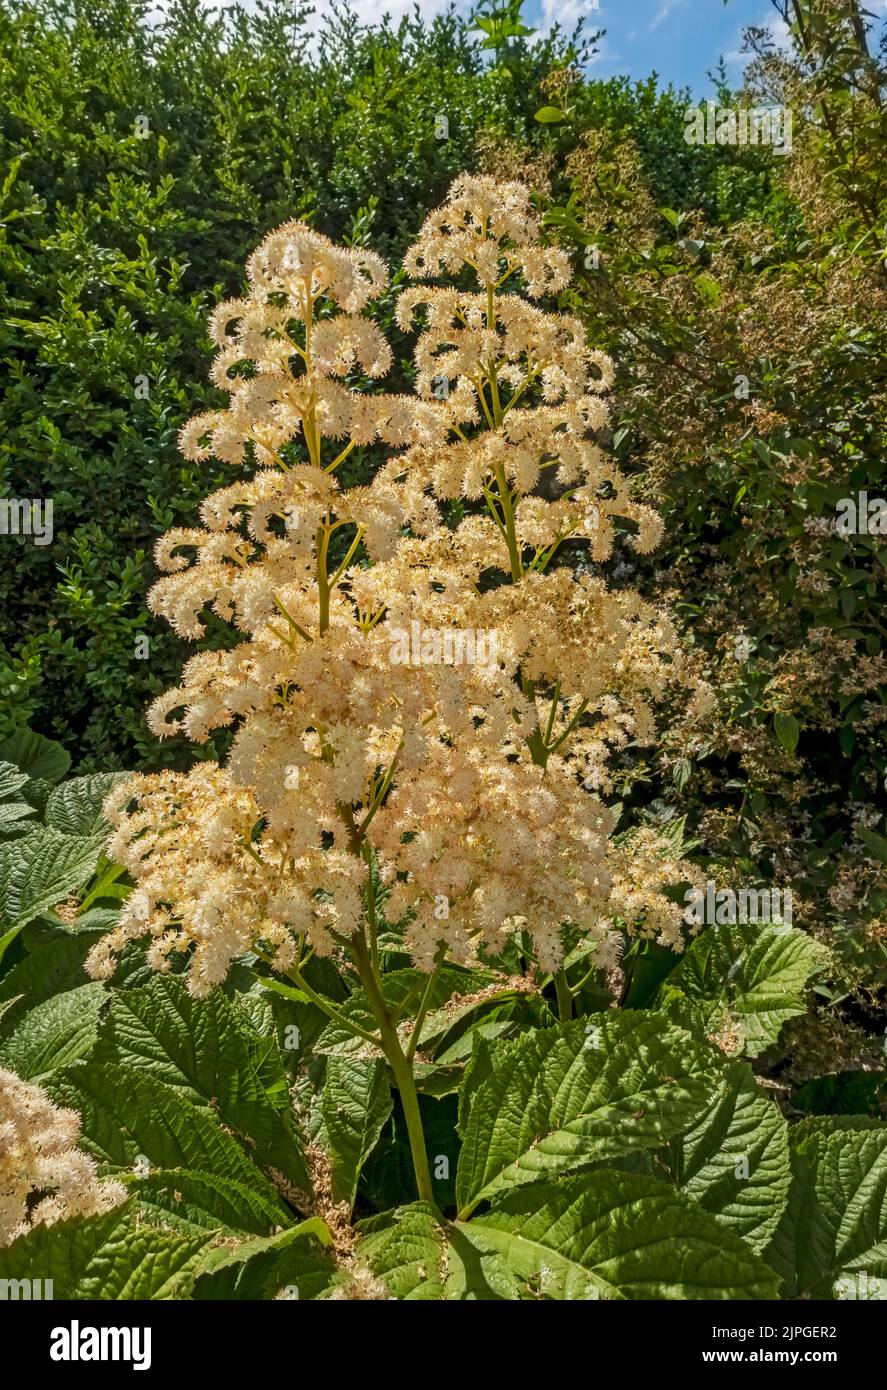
44,1177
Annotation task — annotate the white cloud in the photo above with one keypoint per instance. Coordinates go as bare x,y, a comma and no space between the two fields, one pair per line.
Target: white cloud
779,32
567,13
661,14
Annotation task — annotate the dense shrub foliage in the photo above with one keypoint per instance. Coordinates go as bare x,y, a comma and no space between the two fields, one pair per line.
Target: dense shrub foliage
328,1092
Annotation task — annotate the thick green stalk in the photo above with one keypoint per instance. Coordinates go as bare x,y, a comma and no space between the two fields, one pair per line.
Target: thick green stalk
400,1066
409,1099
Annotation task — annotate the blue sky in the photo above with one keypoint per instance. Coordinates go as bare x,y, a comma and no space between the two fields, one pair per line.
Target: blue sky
679,39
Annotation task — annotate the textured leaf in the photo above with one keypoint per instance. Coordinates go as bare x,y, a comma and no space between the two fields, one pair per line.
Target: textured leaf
735,1161
75,807
446,1032
11,779
751,976
13,811
53,966
299,1259
54,1033
13,814
479,1067
617,1235
355,1104
191,1202
566,1097
128,1115
40,870
603,1235
835,1225
105,1257
208,1050
411,1252
398,986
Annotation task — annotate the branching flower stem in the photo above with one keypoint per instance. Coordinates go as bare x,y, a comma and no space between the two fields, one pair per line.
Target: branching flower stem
426,1003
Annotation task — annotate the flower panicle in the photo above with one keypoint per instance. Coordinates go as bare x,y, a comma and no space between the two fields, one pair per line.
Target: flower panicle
442,695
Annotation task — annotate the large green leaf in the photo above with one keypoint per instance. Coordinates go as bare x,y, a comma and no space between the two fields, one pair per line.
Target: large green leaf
750,976
129,1116
299,1260
563,1098
41,759
54,1033
11,779
54,965
193,1202
599,1235
619,1235
209,1051
420,1256
75,807
354,1105
446,1032
735,1161
39,871
114,1256
835,1225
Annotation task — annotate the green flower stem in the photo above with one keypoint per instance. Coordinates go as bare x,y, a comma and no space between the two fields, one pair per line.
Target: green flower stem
323,583
400,1066
406,1085
323,1004
426,1001
505,502
564,996
553,747
371,910
298,979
